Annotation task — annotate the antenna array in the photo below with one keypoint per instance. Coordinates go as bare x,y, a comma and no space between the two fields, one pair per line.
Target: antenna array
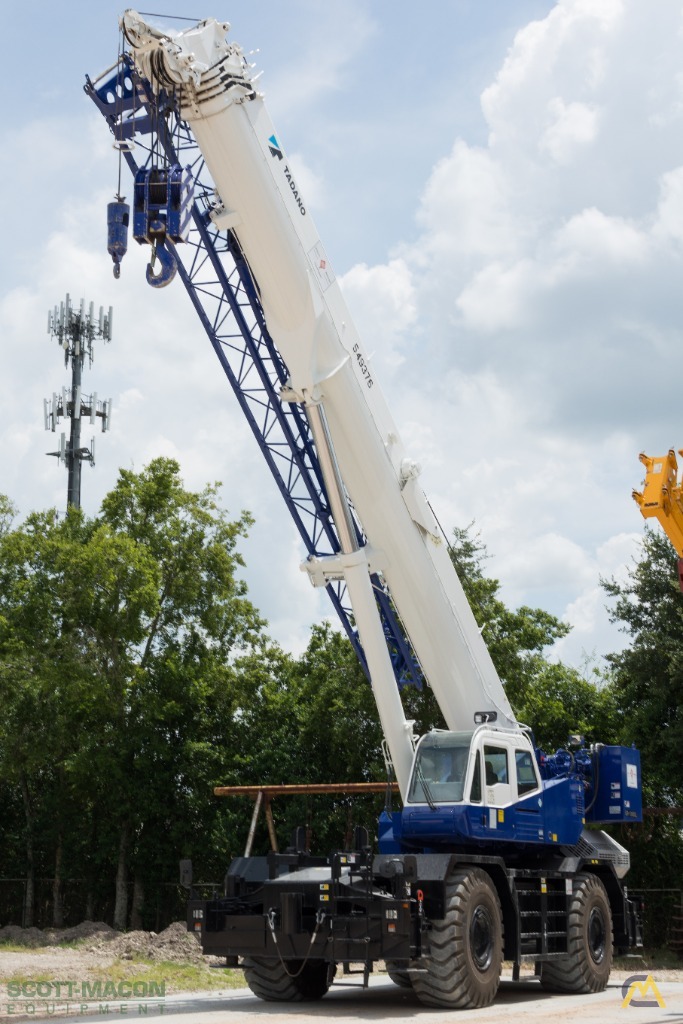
75,331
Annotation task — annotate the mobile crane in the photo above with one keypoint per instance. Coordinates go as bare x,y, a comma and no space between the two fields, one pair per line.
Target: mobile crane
489,857
662,499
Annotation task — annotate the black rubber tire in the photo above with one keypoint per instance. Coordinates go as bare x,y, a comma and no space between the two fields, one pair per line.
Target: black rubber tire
269,980
588,963
462,971
398,974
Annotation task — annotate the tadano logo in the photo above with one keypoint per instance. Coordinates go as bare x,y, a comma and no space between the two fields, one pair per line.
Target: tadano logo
274,147
275,150
642,984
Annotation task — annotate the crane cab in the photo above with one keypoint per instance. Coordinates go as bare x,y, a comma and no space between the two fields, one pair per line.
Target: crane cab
481,786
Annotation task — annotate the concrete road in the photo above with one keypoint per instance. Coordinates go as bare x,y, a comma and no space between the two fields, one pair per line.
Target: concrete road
349,1004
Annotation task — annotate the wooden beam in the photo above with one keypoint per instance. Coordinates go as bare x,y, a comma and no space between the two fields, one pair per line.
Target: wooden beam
252,827
271,826
306,789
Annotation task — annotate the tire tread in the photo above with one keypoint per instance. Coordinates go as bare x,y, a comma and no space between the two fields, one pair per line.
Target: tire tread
448,981
576,972
269,980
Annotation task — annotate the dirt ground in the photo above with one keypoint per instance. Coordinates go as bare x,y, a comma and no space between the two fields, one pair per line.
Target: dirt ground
93,950
96,946
93,944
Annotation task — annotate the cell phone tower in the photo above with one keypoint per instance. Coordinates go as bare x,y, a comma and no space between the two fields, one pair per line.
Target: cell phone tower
76,330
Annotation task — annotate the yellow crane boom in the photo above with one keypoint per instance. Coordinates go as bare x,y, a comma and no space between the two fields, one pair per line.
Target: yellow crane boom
661,497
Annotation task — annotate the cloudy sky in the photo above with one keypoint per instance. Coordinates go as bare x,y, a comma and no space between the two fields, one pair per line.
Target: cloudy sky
500,187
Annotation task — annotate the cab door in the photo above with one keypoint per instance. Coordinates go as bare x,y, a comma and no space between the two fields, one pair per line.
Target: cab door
506,799
491,791
528,812
498,789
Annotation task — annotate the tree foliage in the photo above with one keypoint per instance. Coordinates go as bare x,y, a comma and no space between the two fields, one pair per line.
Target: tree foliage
553,698
120,641
136,675
648,674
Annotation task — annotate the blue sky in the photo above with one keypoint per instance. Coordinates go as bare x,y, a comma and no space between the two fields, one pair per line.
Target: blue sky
500,187
358,87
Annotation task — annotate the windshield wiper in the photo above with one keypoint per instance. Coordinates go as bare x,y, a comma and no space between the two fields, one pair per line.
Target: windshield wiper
425,789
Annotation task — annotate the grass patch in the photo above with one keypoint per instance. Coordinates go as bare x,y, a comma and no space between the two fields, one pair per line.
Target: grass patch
176,977
171,977
7,946
74,944
22,977
662,959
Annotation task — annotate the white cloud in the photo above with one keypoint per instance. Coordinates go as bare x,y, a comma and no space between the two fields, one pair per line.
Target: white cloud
553,63
572,125
467,207
546,281
311,185
588,614
499,296
320,57
669,223
591,239
528,339
382,298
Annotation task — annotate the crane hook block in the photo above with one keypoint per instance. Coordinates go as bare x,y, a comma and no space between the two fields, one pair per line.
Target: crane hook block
163,204
162,210
118,216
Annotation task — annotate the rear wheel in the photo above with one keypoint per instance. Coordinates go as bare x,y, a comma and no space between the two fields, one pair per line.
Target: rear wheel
588,963
399,974
288,983
462,971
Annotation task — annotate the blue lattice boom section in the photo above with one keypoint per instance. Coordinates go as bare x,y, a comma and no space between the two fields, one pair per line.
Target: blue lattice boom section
223,293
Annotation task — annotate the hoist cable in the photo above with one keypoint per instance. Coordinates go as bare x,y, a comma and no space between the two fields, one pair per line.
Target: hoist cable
173,17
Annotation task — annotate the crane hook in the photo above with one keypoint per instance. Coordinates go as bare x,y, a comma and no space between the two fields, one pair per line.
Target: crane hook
118,215
168,263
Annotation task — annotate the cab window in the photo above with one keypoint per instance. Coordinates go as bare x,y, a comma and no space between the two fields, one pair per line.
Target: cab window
495,765
440,769
527,780
475,788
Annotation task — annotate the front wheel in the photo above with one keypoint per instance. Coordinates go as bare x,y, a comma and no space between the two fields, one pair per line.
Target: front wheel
588,963
462,971
288,982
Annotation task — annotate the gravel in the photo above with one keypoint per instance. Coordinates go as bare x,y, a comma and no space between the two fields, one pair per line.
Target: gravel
98,946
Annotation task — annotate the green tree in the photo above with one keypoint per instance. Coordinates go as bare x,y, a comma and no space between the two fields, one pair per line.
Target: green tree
121,639
38,671
648,674
647,683
308,720
559,702
517,639
340,737
553,698
171,616
316,720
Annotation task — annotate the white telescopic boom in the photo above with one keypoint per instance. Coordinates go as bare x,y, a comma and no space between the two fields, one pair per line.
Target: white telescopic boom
307,317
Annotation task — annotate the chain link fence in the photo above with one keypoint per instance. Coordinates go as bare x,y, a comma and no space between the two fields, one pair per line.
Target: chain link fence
663,913
663,909
160,908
